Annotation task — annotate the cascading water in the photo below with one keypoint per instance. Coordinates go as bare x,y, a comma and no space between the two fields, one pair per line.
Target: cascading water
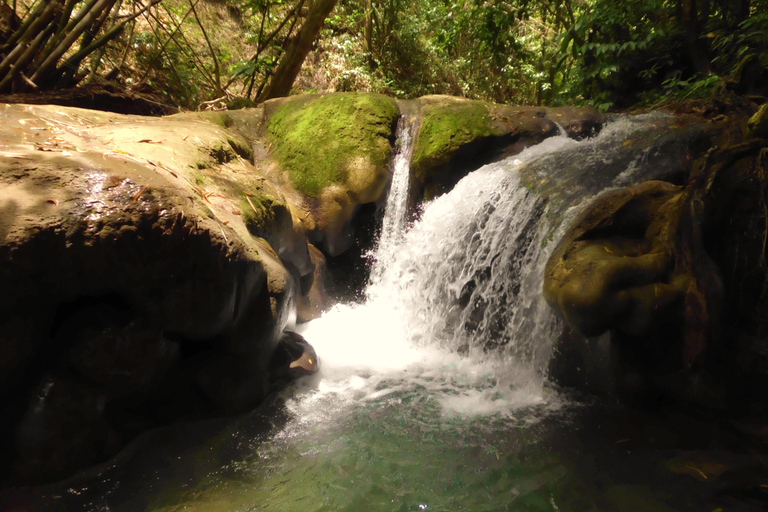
431,394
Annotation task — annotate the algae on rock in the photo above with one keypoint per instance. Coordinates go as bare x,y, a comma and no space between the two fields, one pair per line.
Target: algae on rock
446,128
318,139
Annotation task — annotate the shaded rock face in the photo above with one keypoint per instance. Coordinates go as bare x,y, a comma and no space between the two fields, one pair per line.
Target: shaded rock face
136,293
612,269
662,286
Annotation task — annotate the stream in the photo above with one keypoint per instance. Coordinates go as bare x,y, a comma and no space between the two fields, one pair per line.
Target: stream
433,391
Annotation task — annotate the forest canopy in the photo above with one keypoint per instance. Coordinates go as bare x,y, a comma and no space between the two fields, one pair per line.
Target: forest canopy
198,54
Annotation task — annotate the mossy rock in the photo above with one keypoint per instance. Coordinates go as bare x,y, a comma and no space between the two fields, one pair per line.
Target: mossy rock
446,128
757,126
324,140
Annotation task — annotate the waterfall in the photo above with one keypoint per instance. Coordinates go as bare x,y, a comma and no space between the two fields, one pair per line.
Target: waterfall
431,394
467,276
394,222
454,303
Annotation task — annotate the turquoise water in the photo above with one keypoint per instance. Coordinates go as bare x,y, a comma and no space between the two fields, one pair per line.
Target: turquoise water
405,452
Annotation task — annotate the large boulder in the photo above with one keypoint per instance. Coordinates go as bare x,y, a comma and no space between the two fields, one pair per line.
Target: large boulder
668,283
613,268
148,271
334,151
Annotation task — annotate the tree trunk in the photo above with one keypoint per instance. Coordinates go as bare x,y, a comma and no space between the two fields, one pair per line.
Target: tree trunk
689,19
368,32
290,65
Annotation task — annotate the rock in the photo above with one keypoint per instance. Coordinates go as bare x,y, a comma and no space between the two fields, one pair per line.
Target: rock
294,357
757,126
62,430
119,355
313,299
610,269
334,150
130,266
660,272
457,136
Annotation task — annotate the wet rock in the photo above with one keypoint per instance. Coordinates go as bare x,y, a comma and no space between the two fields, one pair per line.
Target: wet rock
313,299
457,136
757,126
611,268
660,271
294,358
62,430
131,273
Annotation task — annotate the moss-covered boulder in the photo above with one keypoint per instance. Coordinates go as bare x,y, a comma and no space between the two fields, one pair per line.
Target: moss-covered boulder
457,136
335,150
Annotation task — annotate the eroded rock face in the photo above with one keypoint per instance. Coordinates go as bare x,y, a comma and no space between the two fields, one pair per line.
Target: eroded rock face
614,268
670,278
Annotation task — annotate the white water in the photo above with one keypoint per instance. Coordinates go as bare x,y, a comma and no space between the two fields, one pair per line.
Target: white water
454,306
481,241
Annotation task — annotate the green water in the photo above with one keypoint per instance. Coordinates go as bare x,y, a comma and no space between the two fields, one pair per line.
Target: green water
400,453
403,452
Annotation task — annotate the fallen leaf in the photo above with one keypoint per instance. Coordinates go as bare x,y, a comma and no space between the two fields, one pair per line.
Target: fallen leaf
138,194
250,203
697,470
150,141
52,201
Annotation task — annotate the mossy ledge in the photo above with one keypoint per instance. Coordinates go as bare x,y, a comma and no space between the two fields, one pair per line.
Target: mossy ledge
317,138
446,127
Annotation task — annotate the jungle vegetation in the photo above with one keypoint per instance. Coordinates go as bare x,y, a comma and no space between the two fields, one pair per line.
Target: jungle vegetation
199,54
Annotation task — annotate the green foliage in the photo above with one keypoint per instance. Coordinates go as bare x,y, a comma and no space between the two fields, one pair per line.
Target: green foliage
316,139
206,54
170,73
618,50
749,39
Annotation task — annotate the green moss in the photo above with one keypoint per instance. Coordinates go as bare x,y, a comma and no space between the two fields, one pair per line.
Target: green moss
757,126
316,138
446,128
258,211
240,146
221,152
